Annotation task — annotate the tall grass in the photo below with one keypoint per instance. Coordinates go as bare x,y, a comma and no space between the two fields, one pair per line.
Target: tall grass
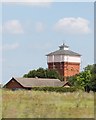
0,104
37,104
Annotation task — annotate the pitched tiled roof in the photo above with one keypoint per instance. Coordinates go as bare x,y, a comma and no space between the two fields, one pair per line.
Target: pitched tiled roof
64,52
39,82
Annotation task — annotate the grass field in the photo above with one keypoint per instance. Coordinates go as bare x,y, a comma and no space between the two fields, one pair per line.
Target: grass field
0,104
36,104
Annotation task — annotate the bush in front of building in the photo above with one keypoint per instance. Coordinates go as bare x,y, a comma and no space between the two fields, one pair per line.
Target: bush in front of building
55,89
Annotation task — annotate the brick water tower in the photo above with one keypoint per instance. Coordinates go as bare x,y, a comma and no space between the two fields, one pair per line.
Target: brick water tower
65,61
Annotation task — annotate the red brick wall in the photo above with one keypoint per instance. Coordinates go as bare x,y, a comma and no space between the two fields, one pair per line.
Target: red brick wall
71,69
13,84
65,69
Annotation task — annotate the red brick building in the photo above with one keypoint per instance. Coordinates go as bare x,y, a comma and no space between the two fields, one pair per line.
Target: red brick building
29,83
65,61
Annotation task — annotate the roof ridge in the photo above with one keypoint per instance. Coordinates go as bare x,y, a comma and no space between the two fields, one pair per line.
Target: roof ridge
64,52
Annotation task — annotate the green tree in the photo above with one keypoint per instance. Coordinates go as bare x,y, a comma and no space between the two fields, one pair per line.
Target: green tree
31,74
52,74
83,78
88,67
93,78
43,73
40,73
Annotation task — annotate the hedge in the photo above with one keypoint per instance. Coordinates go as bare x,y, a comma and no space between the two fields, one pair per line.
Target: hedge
54,89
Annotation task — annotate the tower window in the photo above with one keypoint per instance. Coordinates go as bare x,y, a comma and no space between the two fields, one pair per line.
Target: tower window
60,66
53,66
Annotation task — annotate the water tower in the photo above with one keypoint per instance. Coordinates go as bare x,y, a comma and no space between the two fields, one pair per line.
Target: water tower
65,61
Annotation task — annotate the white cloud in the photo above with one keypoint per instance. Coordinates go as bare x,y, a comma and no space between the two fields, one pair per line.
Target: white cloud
13,27
9,46
39,27
73,25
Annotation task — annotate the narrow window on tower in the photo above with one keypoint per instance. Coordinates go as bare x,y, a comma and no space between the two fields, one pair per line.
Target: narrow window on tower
53,66
60,65
61,62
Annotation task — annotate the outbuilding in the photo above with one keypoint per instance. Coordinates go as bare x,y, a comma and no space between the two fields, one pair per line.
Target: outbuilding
28,83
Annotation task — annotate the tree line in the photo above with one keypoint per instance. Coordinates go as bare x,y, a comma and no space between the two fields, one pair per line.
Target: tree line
84,80
43,73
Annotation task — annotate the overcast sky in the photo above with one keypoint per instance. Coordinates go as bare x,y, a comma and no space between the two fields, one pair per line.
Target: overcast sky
30,31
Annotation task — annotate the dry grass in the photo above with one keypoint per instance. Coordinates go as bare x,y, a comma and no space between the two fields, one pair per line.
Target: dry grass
36,104
0,104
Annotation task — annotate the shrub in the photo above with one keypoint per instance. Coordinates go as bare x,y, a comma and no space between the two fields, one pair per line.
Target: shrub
55,89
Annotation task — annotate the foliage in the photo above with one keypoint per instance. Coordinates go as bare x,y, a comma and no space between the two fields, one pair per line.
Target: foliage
93,79
54,89
43,73
85,78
